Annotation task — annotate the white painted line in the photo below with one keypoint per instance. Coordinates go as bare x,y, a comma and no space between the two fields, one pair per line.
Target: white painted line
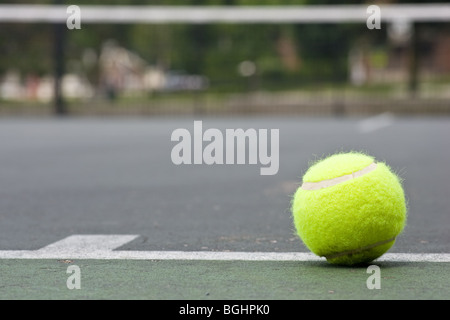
375,123
102,247
80,246
90,243
415,257
217,256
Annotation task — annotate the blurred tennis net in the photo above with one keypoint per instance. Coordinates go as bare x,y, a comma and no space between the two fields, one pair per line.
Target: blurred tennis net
145,60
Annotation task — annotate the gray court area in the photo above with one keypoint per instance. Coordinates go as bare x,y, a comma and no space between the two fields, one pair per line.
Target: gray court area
60,177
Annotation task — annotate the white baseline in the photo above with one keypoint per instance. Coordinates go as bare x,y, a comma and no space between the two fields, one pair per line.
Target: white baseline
102,247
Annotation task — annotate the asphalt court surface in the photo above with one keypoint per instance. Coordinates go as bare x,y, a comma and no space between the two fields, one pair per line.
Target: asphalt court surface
64,177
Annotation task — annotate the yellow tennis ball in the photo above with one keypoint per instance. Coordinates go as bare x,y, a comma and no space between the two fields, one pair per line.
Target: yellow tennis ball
349,209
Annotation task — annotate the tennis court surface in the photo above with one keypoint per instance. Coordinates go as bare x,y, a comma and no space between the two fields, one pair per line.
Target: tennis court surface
104,195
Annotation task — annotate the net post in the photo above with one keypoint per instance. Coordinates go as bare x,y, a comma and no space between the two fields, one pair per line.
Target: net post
59,35
413,80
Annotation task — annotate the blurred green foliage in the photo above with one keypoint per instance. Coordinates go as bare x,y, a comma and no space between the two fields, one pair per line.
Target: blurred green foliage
282,53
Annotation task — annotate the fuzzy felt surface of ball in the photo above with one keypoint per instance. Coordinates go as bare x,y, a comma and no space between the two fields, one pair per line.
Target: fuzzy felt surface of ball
349,209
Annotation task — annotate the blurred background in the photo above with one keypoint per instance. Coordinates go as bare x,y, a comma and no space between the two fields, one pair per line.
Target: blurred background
138,69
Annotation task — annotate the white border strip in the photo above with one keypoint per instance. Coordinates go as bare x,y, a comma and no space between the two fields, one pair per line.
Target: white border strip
101,247
224,14
209,255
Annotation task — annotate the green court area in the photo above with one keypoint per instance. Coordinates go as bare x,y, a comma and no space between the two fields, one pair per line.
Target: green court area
220,280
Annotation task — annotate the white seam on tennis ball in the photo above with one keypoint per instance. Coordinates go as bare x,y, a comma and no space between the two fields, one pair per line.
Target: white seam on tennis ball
332,182
359,250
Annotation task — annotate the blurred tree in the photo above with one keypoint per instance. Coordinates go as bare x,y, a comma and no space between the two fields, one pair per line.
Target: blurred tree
297,53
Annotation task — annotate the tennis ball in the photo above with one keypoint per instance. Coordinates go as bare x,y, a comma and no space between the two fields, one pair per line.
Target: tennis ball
349,209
